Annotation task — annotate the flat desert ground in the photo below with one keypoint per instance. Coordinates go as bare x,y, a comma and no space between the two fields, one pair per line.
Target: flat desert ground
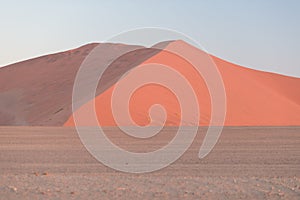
246,163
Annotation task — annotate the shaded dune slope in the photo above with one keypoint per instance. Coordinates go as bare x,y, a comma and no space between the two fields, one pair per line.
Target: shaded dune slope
39,91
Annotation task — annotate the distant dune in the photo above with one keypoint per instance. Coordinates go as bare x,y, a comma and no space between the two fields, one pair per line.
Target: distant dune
38,92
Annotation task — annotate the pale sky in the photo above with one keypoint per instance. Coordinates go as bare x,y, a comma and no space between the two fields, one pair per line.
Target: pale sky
259,34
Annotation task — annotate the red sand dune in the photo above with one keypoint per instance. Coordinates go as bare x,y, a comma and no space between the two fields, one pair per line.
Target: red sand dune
38,92
254,98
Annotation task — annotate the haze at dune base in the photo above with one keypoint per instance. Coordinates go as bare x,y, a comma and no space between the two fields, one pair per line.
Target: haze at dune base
254,98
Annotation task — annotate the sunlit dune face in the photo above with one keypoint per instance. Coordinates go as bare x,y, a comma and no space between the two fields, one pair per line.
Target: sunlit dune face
145,97
141,101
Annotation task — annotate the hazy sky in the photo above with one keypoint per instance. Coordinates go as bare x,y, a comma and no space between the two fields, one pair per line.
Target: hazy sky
260,34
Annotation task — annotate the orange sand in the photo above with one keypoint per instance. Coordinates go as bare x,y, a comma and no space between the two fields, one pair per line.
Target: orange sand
254,98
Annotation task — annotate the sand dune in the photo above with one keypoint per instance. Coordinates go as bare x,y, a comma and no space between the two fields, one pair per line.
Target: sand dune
254,98
39,91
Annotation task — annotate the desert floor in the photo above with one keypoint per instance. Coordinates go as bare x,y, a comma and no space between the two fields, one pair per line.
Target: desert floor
246,163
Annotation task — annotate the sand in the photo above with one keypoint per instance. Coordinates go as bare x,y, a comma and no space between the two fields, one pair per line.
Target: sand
246,163
253,98
38,92
255,158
